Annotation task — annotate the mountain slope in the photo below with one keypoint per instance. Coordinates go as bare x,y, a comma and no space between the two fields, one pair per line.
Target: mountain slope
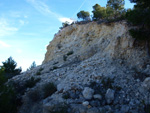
95,68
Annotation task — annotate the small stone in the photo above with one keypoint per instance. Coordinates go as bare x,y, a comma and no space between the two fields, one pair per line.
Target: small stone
86,103
97,96
124,109
95,103
93,110
88,93
146,83
109,96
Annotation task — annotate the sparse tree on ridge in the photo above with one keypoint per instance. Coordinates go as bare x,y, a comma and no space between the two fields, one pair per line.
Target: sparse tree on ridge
85,15
33,65
116,5
98,12
10,68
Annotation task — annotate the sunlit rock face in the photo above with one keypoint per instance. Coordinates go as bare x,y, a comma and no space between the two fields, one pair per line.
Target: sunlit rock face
111,40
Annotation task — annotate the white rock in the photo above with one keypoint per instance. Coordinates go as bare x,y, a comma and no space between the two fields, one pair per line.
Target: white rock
86,103
97,96
146,83
109,96
88,93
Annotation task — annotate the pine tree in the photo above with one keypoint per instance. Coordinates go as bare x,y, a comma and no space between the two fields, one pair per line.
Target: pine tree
85,15
10,68
99,12
33,65
116,5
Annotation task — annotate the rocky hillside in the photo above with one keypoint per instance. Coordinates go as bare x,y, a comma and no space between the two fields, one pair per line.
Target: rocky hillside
88,68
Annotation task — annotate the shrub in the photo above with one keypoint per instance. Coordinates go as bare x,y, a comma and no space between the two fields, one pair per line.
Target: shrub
85,15
10,68
8,103
33,65
31,82
60,108
66,96
69,53
107,82
65,58
41,69
38,73
49,89
34,95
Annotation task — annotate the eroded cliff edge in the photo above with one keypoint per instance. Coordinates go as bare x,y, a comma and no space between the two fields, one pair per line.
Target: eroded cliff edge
111,40
91,68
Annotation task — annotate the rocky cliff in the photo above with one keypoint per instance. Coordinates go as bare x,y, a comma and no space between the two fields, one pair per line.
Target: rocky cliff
89,68
111,40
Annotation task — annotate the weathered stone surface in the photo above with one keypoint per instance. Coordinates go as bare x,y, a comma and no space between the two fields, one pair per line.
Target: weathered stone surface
146,83
93,110
88,93
110,95
125,108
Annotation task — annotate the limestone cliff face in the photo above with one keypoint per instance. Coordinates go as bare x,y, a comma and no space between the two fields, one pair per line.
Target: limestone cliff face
83,41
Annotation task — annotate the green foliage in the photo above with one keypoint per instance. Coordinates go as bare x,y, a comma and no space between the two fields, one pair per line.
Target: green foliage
69,53
66,96
116,5
107,83
10,68
138,34
114,9
41,69
64,57
140,16
142,4
49,89
33,65
38,73
60,108
55,67
34,95
3,79
109,12
31,82
85,15
8,103
98,12
65,24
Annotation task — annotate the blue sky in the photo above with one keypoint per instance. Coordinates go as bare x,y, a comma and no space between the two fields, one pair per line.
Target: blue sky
27,26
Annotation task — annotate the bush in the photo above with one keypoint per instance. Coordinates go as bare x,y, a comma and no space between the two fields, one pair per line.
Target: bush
69,53
60,108
10,68
34,95
41,69
65,58
38,73
31,82
85,15
49,89
8,97
7,100
66,96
